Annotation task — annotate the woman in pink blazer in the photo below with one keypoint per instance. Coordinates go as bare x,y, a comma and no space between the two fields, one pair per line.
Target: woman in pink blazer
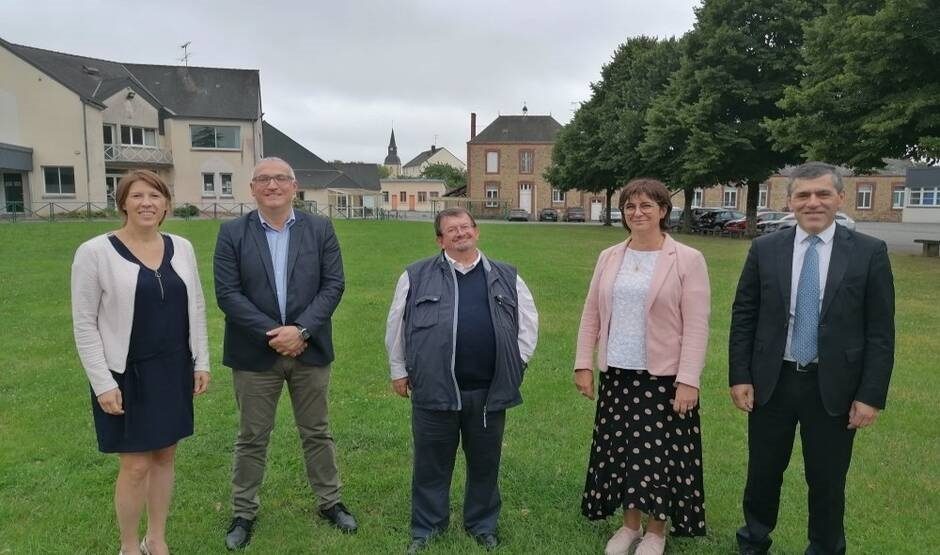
645,320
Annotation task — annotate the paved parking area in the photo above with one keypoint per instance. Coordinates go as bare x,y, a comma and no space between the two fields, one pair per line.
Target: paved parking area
900,237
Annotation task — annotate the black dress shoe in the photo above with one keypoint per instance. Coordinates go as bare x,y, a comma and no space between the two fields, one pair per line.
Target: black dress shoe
488,541
417,544
339,516
239,533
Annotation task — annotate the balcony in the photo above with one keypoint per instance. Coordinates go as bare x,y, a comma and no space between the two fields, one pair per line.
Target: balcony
138,155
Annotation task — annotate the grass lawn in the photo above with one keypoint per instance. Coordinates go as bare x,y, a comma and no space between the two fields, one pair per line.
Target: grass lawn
56,489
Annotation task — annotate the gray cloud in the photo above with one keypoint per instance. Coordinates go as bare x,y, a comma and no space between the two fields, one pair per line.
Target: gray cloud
336,75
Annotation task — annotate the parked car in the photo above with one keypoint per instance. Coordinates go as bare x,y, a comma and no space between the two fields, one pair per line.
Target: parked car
548,215
675,219
789,220
715,219
518,215
739,225
574,214
616,216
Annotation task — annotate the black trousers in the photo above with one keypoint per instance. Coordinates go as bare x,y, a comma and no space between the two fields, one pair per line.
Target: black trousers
827,452
436,436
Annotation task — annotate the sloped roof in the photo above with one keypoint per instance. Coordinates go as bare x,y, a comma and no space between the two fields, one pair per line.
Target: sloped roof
182,91
277,143
519,129
366,176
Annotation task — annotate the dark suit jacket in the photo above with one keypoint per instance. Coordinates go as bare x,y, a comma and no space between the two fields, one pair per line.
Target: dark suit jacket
856,321
245,291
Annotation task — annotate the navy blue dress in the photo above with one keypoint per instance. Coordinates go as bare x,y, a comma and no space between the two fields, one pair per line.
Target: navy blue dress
157,384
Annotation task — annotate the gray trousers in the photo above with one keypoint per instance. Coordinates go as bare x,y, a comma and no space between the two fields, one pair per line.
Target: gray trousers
257,394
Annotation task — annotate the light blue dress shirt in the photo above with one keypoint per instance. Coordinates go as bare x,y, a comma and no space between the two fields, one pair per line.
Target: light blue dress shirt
278,242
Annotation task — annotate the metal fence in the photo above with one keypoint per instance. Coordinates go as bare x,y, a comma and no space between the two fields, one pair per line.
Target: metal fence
14,211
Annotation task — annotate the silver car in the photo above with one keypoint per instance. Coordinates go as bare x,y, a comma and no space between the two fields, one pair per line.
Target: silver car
789,220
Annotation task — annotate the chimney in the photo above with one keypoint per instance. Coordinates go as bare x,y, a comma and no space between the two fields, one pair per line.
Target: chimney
433,149
473,125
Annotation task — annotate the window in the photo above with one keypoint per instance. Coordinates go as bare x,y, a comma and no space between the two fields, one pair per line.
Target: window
226,184
492,161
60,180
138,136
108,134
729,198
697,198
422,196
403,196
762,196
208,184
863,197
526,161
434,194
897,197
492,195
925,196
558,195
385,197
215,136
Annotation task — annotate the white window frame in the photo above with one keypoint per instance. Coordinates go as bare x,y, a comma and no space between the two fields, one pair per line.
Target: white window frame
114,134
558,195
215,137
492,161
762,196
727,194
698,196
863,194
208,192
403,196
526,161
145,134
58,184
916,197
898,194
491,194
225,180
385,197
422,196
434,194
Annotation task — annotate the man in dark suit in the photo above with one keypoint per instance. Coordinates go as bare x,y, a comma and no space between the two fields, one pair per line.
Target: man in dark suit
812,343
278,279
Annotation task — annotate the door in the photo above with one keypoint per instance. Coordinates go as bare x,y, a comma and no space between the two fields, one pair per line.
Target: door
110,188
13,192
411,202
525,197
394,199
597,210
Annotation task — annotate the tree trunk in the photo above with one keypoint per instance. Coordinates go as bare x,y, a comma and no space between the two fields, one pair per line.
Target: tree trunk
753,194
686,224
610,193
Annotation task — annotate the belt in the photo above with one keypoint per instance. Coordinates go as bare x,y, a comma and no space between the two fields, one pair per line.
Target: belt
810,368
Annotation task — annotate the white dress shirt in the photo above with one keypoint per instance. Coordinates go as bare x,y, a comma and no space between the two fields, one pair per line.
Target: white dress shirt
626,344
800,244
395,330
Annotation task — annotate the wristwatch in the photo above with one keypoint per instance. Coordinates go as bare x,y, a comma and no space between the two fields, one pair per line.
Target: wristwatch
304,334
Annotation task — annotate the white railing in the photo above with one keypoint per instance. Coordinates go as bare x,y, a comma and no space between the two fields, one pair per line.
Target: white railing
137,154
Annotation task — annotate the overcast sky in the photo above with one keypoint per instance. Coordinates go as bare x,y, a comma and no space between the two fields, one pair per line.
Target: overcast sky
336,75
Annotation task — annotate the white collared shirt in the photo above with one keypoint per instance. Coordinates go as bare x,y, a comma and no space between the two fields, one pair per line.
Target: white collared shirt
824,249
395,329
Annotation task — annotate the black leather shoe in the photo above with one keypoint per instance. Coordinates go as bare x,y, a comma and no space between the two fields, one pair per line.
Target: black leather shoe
417,544
339,516
488,541
239,533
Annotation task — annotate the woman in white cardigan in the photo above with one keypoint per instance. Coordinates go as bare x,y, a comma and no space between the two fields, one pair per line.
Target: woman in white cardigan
139,319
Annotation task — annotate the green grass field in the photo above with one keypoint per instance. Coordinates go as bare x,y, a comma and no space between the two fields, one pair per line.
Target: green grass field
56,489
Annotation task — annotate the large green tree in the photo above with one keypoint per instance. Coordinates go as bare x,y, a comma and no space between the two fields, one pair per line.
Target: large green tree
870,87
709,124
597,151
453,177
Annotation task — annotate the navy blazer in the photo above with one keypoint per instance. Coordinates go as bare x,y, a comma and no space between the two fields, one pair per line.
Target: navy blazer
856,320
245,290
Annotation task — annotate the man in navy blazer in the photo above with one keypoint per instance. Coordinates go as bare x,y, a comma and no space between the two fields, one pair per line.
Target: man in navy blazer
278,279
811,344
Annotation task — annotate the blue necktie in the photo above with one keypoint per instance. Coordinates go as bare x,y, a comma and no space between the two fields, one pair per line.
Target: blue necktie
806,316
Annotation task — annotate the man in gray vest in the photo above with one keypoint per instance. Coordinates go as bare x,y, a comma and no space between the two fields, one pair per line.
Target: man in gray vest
460,333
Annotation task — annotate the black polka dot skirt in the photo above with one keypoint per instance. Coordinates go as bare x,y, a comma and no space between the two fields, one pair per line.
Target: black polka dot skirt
644,455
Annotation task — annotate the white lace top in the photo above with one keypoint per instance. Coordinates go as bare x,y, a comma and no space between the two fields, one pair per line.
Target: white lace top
626,346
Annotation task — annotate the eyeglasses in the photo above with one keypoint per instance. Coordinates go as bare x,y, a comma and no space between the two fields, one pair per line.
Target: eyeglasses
453,230
646,208
280,178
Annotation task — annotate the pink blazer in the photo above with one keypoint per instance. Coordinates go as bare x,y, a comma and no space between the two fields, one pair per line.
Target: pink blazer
677,310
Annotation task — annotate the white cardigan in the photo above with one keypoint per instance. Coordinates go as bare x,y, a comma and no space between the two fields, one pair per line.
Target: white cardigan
104,285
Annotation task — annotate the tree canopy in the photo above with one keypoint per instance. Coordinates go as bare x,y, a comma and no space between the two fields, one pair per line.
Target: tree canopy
453,177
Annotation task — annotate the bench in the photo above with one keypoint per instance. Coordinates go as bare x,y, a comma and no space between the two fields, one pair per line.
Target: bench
931,246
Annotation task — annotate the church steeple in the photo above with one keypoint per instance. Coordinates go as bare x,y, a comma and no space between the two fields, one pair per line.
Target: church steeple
392,158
